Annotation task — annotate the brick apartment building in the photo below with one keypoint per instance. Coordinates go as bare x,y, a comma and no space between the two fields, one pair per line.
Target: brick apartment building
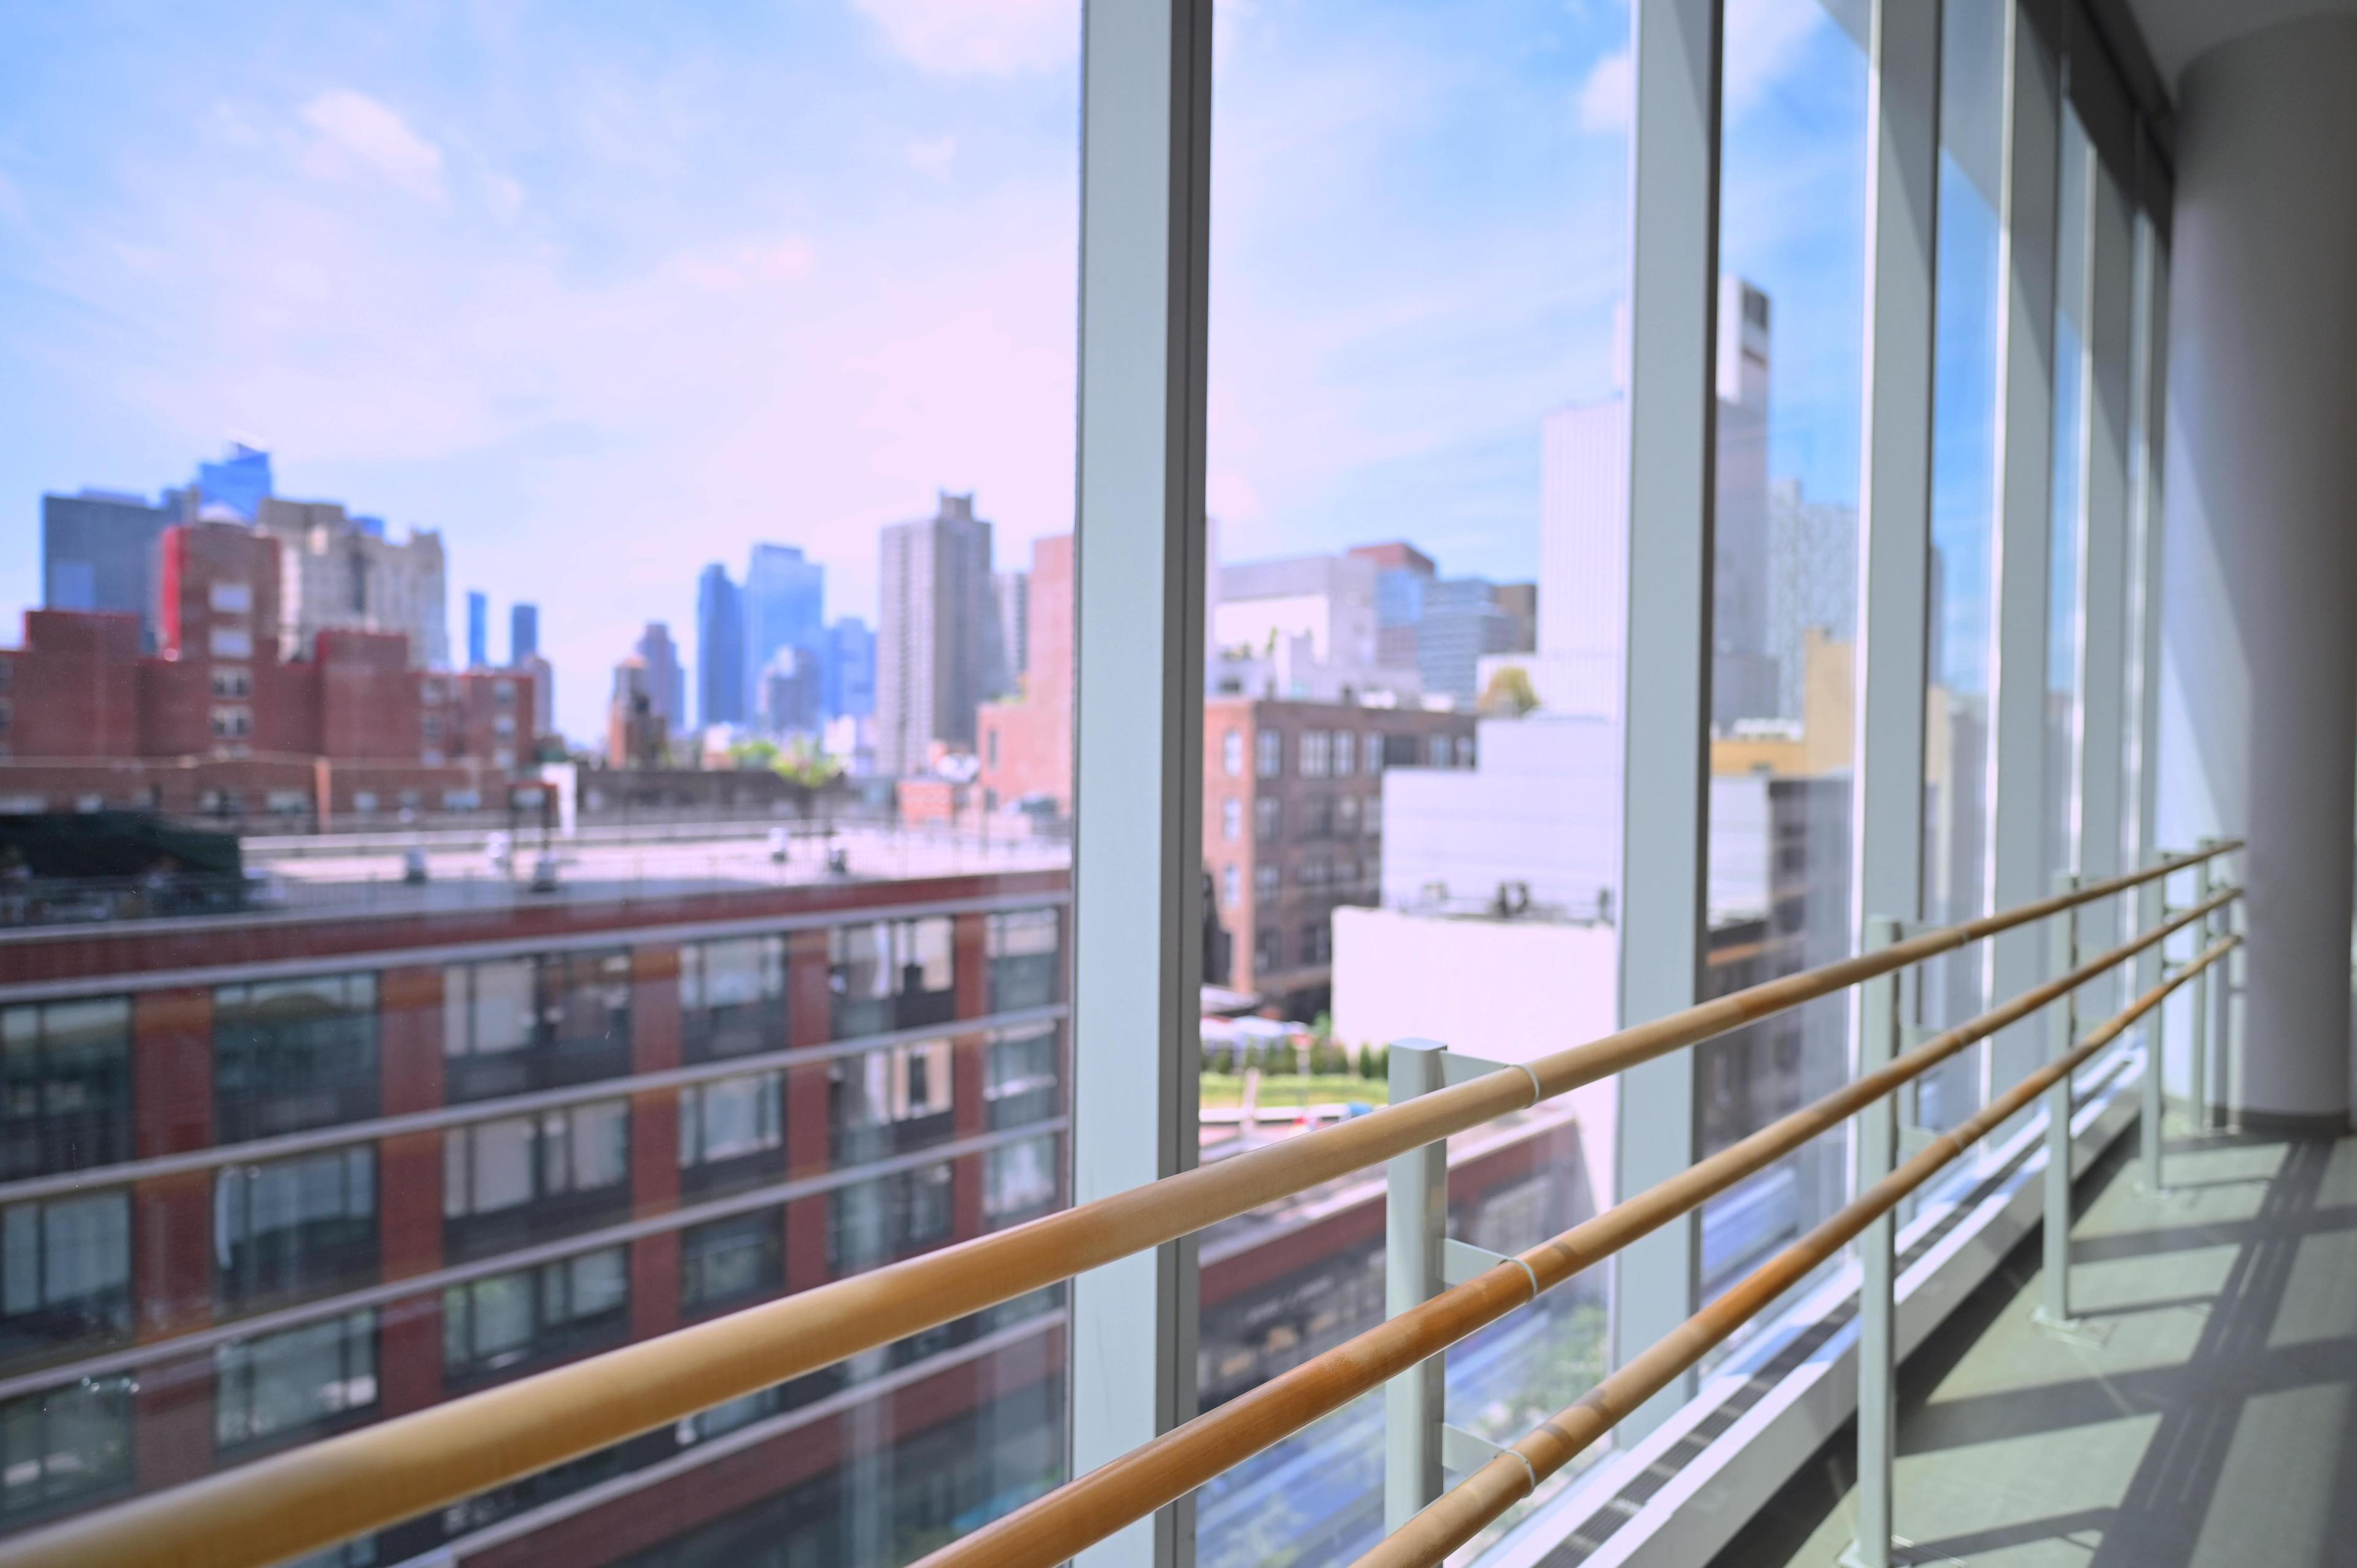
1293,827
851,1073
215,723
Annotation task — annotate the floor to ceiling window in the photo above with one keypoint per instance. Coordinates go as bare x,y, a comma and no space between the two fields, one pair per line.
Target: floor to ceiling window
1957,761
571,513
1790,385
1416,480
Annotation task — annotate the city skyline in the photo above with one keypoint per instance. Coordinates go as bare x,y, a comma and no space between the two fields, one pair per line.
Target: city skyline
442,382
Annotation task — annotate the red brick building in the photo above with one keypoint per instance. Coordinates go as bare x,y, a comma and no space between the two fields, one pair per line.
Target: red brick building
85,717
1293,827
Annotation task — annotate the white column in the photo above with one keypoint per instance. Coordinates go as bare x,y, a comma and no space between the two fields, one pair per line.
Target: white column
2258,725
1139,735
1674,242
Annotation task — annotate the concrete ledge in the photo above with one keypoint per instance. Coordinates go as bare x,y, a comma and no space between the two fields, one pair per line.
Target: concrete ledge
1677,1497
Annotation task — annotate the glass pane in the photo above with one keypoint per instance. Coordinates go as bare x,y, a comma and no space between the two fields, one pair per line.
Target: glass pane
629,630
1956,760
1790,357
1417,439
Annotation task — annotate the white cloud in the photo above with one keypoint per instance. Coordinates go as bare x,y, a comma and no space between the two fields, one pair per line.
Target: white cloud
357,132
1763,36
933,156
755,262
988,37
1607,96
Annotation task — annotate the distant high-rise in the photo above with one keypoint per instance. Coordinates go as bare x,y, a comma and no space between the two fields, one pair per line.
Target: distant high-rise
1462,622
479,630
334,574
935,651
785,606
719,649
523,632
1583,588
849,675
1402,574
1011,593
240,481
97,552
666,679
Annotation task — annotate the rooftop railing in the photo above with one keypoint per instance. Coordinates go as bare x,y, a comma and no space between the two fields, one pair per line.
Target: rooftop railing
329,1491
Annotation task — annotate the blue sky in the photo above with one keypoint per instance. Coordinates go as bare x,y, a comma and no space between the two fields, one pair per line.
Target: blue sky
606,291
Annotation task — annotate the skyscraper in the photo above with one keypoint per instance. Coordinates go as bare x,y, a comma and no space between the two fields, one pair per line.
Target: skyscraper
240,481
785,606
935,652
523,632
478,629
666,682
850,670
1012,593
98,552
1583,588
719,649
334,574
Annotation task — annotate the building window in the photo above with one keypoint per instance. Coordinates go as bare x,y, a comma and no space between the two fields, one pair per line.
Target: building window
528,1174
874,1221
1371,820
1371,754
1020,1076
1018,1180
232,680
1230,886
231,643
1436,750
65,1085
891,974
430,691
232,723
65,1272
290,1054
1266,881
491,1325
1270,744
1346,816
1317,753
504,693
890,1100
514,1024
64,1446
285,1383
1265,952
1231,819
1026,958
1316,941
732,996
503,724
1231,753
1346,752
1464,751
432,726
230,598
294,1227
730,1119
1268,818
731,1261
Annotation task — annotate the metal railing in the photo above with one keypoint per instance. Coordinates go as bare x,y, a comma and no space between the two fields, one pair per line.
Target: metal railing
344,1486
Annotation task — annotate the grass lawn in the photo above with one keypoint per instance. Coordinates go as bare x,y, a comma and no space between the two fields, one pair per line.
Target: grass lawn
1279,1091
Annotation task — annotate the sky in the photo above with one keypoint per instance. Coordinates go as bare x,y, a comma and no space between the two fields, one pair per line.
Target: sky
606,292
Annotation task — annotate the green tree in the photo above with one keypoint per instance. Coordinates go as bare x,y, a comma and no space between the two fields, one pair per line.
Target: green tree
1509,694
